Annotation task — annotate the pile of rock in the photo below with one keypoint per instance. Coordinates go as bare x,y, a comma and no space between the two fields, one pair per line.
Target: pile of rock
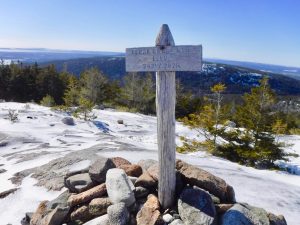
116,192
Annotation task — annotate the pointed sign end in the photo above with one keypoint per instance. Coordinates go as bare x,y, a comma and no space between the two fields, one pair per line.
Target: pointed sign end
164,37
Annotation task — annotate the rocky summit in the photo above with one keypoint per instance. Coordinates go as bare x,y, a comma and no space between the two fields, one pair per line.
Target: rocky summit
116,192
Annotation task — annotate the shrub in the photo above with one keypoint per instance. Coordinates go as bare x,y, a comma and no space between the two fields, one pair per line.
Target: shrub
47,101
13,115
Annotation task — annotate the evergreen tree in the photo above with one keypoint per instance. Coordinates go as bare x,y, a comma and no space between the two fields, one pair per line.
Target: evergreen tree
72,93
208,122
94,86
254,143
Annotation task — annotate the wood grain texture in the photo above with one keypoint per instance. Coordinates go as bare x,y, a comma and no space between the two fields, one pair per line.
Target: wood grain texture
165,110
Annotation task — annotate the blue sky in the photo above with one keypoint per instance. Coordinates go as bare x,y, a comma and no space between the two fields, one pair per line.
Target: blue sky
266,31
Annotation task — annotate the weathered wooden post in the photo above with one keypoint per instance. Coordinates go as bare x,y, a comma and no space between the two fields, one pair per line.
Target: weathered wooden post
165,59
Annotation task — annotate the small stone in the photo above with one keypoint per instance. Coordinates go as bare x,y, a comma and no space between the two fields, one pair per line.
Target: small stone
87,196
119,187
149,213
99,169
68,121
79,183
119,161
132,170
120,121
167,218
145,180
3,170
98,206
118,214
141,192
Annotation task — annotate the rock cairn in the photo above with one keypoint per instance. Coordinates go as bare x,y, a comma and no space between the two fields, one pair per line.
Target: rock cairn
112,191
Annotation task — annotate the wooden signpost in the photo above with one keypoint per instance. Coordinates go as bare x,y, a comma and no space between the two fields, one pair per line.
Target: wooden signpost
165,59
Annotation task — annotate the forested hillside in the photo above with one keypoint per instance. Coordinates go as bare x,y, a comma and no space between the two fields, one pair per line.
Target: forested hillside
237,79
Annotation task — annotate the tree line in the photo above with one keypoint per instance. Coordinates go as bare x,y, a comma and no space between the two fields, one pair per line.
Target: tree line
242,131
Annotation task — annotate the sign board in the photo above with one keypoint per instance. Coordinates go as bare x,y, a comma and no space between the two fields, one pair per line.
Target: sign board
168,58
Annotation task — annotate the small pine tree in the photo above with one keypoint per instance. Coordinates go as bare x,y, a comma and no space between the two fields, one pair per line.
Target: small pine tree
72,93
47,101
209,121
254,143
84,110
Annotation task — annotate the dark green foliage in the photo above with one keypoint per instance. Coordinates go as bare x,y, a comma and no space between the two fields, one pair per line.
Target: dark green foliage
23,83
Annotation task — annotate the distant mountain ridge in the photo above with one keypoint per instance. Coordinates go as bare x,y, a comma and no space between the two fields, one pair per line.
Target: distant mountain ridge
238,76
237,79
285,70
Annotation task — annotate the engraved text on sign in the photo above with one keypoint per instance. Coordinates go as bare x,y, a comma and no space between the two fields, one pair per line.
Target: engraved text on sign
169,58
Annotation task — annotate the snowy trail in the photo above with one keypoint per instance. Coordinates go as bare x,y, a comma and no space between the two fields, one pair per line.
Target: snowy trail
37,142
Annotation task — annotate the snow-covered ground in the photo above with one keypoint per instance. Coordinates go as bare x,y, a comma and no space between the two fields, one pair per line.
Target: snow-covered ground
39,137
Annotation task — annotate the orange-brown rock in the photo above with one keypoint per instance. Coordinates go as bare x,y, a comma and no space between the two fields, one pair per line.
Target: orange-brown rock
132,170
145,180
39,213
98,206
149,213
82,214
205,180
87,196
153,171
119,161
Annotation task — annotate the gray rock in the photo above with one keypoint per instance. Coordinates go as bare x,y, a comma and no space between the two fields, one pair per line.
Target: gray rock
141,192
4,194
146,164
260,214
101,220
241,214
120,121
133,179
276,220
79,182
118,214
99,169
61,201
68,121
196,207
177,222
3,170
3,143
119,187
27,218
